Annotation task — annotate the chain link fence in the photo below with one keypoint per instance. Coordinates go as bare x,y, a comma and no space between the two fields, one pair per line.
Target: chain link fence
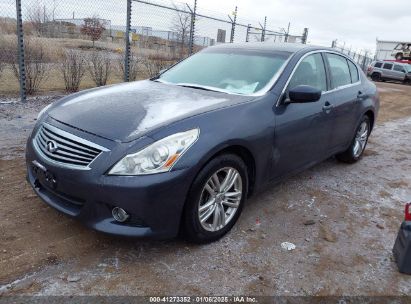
68,45
363,58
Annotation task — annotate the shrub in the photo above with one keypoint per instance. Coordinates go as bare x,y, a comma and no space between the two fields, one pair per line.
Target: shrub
100,67
157,62
36,67
72,68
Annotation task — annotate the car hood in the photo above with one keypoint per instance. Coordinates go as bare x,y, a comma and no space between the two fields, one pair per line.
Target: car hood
127,111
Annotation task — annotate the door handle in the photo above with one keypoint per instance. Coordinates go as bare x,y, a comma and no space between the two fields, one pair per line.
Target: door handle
327,107
360,95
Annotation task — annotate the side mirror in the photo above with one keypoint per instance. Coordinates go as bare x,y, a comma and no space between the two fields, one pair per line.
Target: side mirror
304,93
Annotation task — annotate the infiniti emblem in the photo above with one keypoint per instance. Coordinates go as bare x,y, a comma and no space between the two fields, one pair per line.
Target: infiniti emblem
52,146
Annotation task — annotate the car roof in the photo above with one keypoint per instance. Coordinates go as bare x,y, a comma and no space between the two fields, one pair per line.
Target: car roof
392,62
270,46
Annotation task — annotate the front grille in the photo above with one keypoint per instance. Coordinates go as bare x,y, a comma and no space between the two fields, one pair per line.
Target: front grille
64,148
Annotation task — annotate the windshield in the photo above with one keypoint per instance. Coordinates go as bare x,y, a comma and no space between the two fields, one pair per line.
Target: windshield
229,70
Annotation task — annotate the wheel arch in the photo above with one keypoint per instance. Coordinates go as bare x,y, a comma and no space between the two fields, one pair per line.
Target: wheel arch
239,150
371,116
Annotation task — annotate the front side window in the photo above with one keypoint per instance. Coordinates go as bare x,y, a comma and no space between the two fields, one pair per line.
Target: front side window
339,70
378,64
310,71
231,70
387,66
353,71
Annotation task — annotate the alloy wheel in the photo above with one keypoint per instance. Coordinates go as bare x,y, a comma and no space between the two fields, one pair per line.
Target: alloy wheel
360,139
220,199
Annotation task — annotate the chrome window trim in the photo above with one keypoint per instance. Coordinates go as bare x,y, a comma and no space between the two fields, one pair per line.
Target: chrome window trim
69,136
323,92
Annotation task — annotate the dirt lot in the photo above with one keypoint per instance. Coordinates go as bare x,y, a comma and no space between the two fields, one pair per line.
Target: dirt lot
343,220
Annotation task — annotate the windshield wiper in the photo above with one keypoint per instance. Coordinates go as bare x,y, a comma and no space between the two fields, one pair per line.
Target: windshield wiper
200,87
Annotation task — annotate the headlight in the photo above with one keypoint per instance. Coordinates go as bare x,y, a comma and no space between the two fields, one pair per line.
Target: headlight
44,110
157,157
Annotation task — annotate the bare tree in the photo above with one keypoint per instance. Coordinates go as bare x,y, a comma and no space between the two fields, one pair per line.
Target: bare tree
133,69
100,67
37,16
36,66
73,68
93,28
181,25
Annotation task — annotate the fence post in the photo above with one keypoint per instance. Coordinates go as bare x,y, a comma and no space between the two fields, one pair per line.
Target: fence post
233,22
305,36
192,27
247,36
127,50
364,61
287,33
263,31
20,46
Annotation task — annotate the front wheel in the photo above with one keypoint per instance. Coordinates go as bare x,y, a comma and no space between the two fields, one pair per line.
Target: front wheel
216,199
357,147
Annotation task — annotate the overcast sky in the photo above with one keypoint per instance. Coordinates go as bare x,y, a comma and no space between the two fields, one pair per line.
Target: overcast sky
356,22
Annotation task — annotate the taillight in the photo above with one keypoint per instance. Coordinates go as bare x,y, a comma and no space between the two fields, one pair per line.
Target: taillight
408,212
369,68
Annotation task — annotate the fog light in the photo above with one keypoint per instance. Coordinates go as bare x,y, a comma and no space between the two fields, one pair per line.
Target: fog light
119,214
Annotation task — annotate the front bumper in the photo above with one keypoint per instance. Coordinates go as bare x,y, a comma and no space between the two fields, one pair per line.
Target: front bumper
154,202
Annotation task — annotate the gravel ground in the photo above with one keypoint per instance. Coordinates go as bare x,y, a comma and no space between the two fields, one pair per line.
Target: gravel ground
343,220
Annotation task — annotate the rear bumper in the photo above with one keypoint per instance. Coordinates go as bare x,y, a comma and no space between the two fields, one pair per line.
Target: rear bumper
154,202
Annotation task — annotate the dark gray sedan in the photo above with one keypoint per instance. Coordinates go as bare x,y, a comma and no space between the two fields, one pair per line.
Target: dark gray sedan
183,151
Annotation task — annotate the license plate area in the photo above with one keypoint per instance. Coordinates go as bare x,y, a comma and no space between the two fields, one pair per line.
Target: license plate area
43,176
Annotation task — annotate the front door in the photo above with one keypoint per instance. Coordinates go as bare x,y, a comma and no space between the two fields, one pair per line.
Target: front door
302,130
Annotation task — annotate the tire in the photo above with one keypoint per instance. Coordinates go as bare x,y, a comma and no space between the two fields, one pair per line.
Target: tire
399,56
351,155
213,227
376,77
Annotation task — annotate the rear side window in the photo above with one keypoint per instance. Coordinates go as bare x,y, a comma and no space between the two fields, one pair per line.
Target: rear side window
399,68
387,66
339,70
310,71
354,72
378,64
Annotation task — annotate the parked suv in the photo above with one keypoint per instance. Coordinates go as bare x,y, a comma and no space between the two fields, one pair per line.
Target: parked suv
402,51
381,71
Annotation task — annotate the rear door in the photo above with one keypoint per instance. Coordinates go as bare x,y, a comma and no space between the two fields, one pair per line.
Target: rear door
345,93
398,72
387,72
302,130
